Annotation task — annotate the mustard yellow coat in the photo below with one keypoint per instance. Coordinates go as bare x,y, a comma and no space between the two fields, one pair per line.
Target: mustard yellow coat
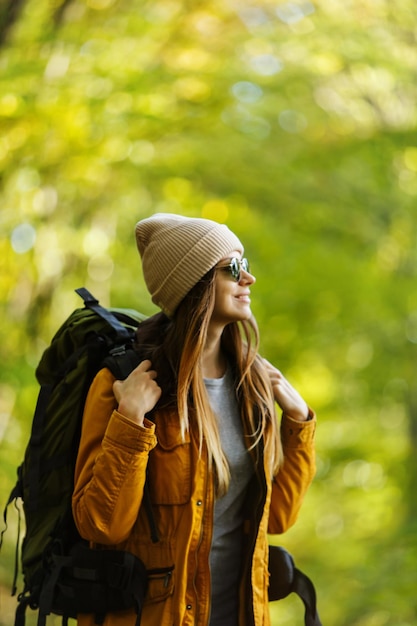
109,479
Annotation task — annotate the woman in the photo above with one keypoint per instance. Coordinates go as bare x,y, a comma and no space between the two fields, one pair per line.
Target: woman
197,419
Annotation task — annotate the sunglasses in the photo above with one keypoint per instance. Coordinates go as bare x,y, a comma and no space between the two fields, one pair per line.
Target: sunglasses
235,268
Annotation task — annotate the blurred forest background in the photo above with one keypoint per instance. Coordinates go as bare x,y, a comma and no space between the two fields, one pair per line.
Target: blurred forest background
293,122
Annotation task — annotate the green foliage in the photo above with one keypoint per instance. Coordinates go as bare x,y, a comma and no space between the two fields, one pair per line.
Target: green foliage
295,123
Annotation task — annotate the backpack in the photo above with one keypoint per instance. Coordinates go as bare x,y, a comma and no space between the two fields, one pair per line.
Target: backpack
92,337
62,574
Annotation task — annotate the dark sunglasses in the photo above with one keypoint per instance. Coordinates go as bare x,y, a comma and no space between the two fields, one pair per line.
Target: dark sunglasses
235,267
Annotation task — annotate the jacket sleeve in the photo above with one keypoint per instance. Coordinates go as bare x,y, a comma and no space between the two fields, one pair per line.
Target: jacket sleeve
111,466
291,483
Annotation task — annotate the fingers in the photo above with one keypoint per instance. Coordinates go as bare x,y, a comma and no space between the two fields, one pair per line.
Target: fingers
145,366
275,374
286,395
143,372
139,392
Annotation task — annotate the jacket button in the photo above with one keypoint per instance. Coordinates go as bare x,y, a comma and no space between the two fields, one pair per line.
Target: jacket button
199,502
189,607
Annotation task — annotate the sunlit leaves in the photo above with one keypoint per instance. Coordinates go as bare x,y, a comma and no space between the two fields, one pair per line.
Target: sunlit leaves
294,122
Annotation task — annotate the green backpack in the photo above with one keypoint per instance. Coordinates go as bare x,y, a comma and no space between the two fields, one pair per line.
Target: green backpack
92,337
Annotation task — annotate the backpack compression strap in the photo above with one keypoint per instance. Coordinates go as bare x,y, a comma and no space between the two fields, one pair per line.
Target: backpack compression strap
91,303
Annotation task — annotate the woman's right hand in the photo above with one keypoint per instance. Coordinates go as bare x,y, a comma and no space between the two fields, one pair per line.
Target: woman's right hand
138,393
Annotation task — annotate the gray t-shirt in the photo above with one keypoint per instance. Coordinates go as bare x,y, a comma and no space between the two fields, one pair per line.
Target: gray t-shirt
226,549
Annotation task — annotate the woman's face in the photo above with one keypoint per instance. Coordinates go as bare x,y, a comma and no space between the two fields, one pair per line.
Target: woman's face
232,293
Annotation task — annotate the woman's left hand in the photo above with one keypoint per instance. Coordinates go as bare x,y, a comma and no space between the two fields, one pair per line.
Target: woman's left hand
288,398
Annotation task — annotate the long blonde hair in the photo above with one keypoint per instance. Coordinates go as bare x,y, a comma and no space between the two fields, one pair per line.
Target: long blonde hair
178,358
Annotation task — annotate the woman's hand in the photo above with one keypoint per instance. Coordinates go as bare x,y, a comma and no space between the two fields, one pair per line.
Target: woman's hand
288,398
138,393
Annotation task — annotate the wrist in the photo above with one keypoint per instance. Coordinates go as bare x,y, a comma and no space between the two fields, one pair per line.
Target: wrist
129,413
300,416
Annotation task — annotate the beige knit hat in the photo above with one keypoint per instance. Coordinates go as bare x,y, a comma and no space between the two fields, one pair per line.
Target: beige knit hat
177,251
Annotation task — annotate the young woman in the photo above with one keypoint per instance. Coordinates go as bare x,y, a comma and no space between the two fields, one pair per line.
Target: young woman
197,420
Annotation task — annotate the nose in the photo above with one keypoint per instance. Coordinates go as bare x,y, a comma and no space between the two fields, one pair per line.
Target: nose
246,278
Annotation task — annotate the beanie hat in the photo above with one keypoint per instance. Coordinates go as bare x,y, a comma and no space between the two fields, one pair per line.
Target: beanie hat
177,252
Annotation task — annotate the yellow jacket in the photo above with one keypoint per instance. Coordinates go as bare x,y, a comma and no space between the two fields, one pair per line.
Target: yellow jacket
109,480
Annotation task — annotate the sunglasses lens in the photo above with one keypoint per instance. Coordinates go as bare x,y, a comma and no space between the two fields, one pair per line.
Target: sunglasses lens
235,269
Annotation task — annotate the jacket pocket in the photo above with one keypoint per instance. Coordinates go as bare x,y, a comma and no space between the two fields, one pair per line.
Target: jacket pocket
170,466
160,583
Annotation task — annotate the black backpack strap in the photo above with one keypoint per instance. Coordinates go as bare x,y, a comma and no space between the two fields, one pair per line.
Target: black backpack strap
285,578
92,303
20,615
304,588
122,363
46,597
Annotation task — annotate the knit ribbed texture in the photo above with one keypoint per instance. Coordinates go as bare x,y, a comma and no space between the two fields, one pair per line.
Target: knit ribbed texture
177,252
